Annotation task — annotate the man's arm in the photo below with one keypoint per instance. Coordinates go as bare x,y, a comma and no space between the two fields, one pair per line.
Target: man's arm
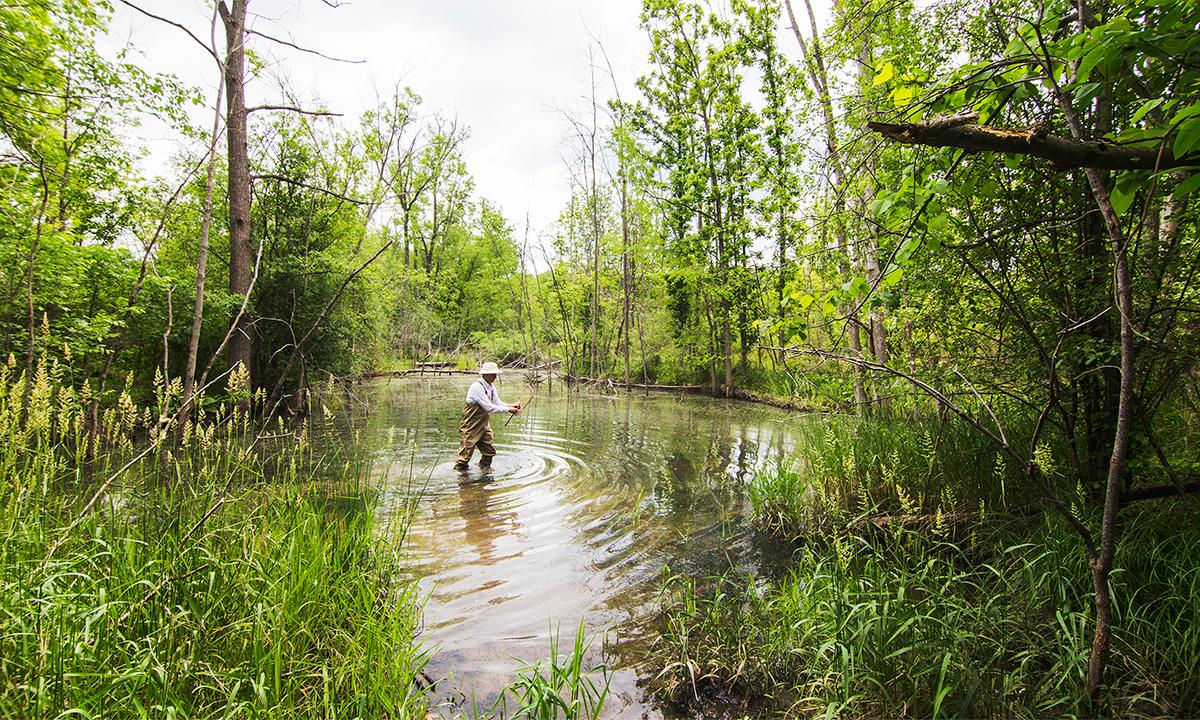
479,395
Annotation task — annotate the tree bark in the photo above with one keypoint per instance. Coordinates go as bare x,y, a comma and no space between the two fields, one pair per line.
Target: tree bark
960,131
189,373
240,258
815,64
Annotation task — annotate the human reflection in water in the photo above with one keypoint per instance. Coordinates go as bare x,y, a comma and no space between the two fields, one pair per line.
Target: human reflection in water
484,518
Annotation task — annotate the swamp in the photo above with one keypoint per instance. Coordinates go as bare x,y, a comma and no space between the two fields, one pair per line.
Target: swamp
625,359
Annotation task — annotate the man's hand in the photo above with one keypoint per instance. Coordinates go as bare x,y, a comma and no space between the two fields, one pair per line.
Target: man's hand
515,408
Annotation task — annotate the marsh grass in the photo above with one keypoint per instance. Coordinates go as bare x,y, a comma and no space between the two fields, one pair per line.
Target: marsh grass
851,630
848,467
908,622
561,686
215,570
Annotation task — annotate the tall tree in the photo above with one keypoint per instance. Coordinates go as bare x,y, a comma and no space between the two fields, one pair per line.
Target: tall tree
241,259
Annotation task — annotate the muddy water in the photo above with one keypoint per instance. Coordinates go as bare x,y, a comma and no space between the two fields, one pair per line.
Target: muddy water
589,498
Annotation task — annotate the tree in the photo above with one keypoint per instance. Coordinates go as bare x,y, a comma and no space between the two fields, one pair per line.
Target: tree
1083,68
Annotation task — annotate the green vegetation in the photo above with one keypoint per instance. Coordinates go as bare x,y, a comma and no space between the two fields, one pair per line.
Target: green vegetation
910,625
226,575
909,595
564,687
972,226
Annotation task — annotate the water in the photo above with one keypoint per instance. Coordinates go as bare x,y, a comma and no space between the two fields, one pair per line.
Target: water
589,497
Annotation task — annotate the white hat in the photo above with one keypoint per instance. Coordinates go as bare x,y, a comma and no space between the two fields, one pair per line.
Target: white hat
489,368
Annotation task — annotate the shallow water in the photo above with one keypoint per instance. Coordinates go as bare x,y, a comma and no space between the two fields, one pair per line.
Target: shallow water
589,498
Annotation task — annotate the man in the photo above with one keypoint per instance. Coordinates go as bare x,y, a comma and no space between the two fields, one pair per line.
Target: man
476,428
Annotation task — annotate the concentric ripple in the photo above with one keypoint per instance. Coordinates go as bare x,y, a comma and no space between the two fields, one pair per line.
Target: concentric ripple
587,499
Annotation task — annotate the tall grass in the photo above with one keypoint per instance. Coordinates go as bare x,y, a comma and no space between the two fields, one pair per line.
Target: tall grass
970,602
219,575
845,467
912,627
561,687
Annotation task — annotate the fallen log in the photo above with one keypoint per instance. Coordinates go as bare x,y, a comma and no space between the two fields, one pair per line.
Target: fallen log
962,131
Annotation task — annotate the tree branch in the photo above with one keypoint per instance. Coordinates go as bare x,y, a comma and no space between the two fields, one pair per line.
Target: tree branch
160,18
298,183
1159,491
294,46
289,108
961,131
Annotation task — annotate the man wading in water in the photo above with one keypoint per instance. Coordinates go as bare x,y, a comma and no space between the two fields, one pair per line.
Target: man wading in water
476,428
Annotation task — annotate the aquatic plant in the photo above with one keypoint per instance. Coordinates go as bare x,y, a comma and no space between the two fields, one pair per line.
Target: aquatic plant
218,569
907,625
562,687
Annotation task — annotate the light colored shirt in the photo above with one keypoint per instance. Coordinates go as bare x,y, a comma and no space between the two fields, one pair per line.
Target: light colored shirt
483,394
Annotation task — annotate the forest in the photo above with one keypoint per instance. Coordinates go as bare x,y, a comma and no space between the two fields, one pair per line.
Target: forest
955,244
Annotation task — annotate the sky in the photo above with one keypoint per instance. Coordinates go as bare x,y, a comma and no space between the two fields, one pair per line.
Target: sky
506,69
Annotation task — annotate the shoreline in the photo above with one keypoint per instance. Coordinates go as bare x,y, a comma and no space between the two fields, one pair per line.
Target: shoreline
610,385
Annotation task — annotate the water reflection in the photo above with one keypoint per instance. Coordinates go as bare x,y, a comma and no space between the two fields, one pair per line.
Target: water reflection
587,499
483,519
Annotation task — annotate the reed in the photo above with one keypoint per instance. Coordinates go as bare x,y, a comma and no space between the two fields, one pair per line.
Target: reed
218,569
562,687
847,467
912,618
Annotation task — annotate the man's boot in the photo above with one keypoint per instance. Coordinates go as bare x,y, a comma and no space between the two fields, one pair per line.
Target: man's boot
485,462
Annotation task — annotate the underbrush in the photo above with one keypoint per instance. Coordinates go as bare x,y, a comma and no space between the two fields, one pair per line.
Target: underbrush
928,582
906,626
214,570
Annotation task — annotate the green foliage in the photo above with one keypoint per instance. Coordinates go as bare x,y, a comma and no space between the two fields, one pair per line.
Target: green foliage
904,624
215,578
563,688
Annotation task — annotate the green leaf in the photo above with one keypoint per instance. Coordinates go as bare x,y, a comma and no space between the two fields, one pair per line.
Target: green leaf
1086,92
940,187
1121,198
893,277
885,74
1096,56
902,96
1188,186
1187,138
1146,107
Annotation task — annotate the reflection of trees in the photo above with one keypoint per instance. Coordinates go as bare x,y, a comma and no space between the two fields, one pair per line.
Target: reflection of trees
483,520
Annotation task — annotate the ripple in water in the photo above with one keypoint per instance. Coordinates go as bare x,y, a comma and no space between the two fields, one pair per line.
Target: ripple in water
586,501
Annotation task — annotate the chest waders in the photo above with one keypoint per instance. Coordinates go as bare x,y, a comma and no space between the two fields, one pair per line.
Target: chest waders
475,431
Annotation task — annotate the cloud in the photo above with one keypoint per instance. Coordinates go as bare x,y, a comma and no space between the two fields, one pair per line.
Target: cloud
501,67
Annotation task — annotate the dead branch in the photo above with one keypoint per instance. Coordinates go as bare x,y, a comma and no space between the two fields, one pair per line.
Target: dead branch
190,34
298,183
302,49
289,108
961,131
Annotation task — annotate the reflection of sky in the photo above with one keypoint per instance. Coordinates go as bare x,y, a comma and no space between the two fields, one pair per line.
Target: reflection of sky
588,498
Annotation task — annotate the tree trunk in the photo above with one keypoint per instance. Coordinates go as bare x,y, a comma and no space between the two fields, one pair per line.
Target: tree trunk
240,258
815,64
30,355
626,279
189,373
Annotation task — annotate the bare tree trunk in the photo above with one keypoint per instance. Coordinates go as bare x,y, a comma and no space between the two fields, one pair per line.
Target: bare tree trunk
240,258
1101,564
595,201
815,64
189,373
626,262
30,355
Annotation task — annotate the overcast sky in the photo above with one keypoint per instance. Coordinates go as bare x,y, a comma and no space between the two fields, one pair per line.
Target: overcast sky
503,68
